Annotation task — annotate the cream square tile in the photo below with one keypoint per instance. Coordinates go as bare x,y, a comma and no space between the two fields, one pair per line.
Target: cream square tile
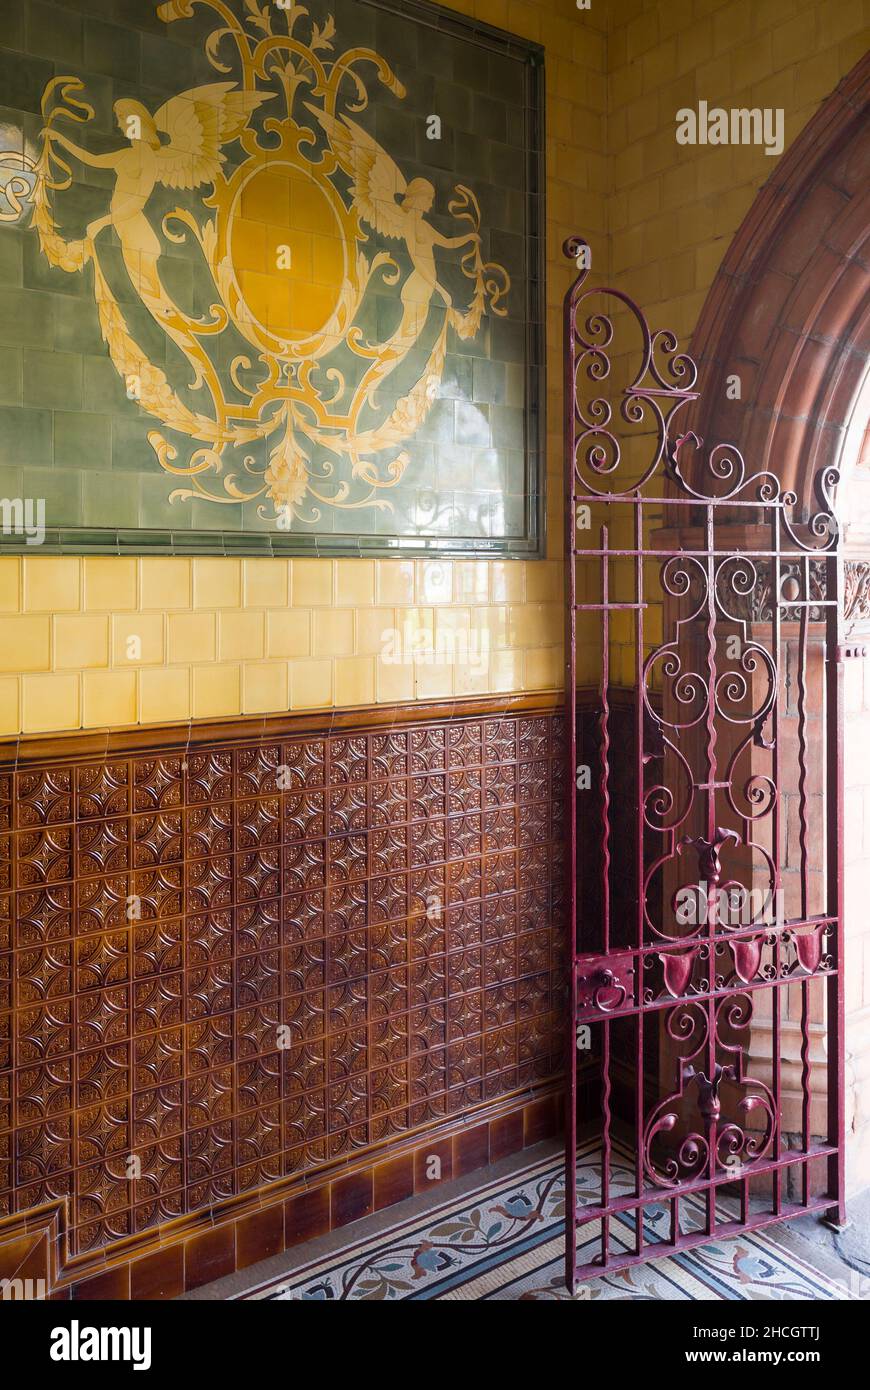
164,696
49,703
543,668
507,581
109,698
354,681
431,681
507,671
10,584
394,683
10,705
471,581
164,582
375,630
217,691
333,633
265,687
110,583
241,636
288,632
137,639
311,684
355,583
192,637
217,582
25,643
394,581
267,583
312,583
52,583
434,581
80,641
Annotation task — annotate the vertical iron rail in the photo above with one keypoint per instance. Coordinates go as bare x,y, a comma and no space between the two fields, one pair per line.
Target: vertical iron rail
834,883
569,445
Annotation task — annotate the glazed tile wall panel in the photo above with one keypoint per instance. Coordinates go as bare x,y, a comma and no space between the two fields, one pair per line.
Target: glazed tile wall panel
246,961
271,278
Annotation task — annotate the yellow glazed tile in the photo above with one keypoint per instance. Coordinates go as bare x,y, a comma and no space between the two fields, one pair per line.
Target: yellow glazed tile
266,687
80,641
470,581
375,629
525,624
49,703
110,583
434,581
507,581
267,583
432,681
216,691
165,582
354,681
472,679
355,583
164,696
394,581
137,639
288,632
506,671
310,684
10,704
192,637
10,584
312,583
217,583
394,682
25,643
241,636
543,666
543,581
108,698
333,634
416,629
52,583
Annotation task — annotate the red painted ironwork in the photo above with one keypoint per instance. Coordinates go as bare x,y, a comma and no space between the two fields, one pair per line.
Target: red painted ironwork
707,602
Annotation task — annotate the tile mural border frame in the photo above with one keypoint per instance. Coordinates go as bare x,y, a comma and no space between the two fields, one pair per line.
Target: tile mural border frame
82,540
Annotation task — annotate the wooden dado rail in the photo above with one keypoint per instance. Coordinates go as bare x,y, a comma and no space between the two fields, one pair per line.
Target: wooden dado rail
254,975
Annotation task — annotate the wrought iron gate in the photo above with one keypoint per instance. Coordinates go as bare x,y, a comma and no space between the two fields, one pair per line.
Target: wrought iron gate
705,870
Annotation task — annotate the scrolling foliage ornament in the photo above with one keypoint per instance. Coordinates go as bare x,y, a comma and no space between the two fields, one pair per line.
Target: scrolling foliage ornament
693,689
324,400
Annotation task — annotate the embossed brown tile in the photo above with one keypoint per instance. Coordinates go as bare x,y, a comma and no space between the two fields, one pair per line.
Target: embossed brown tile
235,981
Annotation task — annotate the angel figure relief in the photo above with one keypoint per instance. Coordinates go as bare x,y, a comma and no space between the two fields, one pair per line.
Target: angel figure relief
290,208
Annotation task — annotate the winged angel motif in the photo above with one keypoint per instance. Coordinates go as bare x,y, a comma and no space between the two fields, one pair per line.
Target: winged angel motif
286,400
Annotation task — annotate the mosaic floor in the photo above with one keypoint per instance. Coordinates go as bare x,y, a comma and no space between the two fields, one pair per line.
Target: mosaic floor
503,1240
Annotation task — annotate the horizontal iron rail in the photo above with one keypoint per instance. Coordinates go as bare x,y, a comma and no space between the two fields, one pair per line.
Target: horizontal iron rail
655,1194
657,1250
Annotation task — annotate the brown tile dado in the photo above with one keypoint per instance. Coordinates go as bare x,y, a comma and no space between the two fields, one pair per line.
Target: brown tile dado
240,970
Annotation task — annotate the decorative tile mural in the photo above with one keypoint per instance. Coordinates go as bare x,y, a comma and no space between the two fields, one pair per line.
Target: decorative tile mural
270,280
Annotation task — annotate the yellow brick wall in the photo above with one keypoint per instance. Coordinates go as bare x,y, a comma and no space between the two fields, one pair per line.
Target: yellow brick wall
673,209
223,636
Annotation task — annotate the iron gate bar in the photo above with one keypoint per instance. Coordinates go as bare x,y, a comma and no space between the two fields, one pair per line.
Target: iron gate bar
608,983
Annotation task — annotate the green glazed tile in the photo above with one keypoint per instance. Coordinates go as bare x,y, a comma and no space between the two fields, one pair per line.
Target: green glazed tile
25,437
52,379
10,376
82,440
